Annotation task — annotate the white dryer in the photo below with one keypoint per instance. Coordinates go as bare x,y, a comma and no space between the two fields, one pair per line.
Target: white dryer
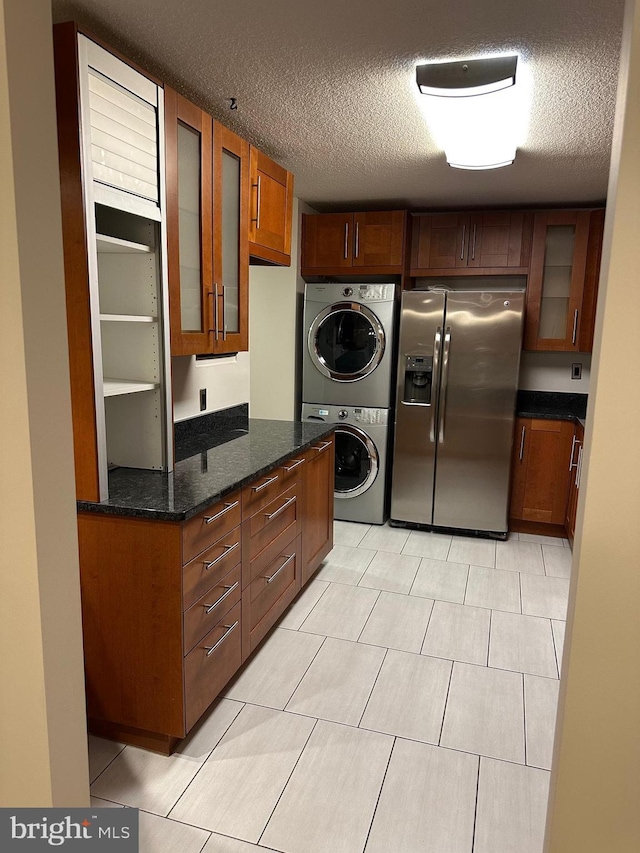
348,344
361,448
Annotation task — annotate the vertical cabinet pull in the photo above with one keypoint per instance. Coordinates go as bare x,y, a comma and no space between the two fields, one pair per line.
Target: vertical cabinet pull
573,464
464,231
258,188
224,313
575,326
357,239
473,244
524,429
579,468
444,383
215,311
346,240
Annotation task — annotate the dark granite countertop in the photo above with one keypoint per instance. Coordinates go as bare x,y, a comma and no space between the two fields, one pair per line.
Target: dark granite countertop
552,405
232,460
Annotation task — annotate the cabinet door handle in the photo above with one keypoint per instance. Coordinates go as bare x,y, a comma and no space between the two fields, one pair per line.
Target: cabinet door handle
272,577
320,447
295,465
464,231
346,240
227,508
270,515
579,468
573,464
473,244
357,239
265,484
227,550
524,429
229,589
215,311
224,313
211,649
258,188
575,326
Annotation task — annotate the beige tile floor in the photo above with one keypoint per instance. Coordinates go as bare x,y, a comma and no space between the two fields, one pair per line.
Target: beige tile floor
406,702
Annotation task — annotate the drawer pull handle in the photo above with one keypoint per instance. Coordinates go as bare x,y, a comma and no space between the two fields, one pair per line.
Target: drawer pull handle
209,607
265,484
227,550
321,447
227,508
211,649
295,465
270,515
277,572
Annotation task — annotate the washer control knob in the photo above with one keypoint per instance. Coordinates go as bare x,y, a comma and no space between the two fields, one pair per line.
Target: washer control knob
342,414
348,291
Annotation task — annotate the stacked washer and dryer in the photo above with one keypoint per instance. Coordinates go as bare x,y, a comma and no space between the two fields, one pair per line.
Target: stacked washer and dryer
348,366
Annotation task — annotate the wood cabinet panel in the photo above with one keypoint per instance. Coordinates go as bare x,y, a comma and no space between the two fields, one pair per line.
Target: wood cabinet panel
317,518
271,208
500,239
539,475
327,240
211,664
378,238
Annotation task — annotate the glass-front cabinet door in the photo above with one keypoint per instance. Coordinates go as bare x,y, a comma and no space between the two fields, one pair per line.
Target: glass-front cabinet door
557,279
189,156
231,241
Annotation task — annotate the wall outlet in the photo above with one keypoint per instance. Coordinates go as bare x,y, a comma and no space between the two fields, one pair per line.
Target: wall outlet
576,371
203,399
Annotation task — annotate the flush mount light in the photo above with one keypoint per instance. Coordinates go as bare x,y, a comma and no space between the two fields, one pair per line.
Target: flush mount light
475,111
468,77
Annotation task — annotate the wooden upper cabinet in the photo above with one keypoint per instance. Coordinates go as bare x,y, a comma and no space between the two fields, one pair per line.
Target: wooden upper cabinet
271,210
208,248
487,243
540,470
231,241
562,287
372,242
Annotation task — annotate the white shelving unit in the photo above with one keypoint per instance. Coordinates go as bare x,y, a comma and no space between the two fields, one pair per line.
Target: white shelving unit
115,387
127,318
117,246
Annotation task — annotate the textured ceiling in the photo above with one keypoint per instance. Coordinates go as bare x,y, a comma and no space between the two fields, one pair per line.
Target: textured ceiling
328,88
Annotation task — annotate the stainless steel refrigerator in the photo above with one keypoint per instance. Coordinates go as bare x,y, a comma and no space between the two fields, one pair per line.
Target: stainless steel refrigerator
459,355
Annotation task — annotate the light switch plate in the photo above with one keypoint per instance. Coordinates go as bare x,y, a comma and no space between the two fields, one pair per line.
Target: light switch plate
576,371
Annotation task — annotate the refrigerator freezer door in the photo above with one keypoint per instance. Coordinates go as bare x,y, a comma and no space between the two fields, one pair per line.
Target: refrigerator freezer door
480,362
416,419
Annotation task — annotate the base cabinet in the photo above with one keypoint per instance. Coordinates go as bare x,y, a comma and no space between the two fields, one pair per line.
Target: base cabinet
171,610
540,483
575,472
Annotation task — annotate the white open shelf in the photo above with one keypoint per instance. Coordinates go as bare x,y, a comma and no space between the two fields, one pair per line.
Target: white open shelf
116,246
116,387
127,318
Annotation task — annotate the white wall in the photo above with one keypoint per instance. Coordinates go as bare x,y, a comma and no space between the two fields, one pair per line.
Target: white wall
226,380
551,371
275,312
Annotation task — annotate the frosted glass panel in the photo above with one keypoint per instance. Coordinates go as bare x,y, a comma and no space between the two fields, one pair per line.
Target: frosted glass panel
230,238
189,228
556,281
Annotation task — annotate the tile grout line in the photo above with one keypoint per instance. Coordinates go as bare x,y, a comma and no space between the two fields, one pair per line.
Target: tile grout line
304,673
520,591
375,808
489,637
315,604
524,721
373,686
466,585
555,650
293,769
211,751
117,755
446,702
424,636
475,811
369,617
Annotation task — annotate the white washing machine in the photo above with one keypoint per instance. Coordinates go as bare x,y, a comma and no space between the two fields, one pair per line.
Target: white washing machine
362,446
348,347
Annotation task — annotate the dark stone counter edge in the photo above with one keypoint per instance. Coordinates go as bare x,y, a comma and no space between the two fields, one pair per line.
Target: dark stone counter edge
551,416
161,515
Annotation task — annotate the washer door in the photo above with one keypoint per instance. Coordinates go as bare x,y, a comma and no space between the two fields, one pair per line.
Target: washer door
346,341
357,462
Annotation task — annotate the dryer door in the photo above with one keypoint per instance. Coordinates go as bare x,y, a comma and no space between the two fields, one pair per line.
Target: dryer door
357,461
346,341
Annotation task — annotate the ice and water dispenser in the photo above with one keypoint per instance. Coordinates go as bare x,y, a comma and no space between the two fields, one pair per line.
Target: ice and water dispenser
418,376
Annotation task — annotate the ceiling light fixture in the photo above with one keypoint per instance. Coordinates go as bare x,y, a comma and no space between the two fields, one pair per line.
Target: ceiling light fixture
475,110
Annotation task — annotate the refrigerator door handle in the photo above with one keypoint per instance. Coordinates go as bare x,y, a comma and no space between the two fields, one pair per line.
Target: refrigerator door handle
437,343
444,382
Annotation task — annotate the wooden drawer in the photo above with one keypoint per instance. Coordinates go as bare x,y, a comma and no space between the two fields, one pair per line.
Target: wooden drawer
202,616
264,526
268,596
292,469
253,568
261,492
211,664
208,526
208,568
